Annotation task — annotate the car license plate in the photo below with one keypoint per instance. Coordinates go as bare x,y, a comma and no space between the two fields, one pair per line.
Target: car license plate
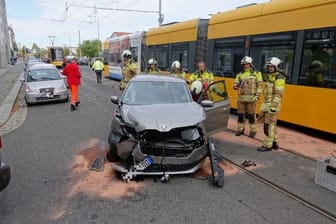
144,163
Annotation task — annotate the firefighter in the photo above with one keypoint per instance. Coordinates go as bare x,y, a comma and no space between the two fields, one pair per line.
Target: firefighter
176,69
152,67
269,110
204,76
248,84
129,69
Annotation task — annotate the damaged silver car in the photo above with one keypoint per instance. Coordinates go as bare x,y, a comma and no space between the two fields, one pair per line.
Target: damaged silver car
157,128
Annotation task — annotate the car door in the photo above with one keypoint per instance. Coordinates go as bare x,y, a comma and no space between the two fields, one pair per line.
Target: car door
217,113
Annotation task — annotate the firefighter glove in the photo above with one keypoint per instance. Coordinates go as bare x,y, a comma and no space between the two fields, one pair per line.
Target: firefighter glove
256,98
273,110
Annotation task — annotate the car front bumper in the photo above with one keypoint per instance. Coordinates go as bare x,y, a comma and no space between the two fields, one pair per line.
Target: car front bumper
39,97
183,164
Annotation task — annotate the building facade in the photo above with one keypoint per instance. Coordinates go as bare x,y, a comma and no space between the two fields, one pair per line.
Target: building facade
5,46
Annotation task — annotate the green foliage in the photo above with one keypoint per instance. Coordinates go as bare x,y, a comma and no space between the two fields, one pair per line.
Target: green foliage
35,46
66,51
91,48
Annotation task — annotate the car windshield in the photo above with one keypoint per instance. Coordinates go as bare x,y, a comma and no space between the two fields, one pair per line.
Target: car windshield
156,92
43,75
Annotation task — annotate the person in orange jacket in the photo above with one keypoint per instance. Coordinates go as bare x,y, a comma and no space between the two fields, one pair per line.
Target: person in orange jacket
72,72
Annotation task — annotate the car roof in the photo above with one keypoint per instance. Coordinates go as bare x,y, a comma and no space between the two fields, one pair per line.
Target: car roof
157,77
42,66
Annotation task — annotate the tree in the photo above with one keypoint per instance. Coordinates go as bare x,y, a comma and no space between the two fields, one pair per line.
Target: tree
66,51
91,48
36,51
44,54
35,47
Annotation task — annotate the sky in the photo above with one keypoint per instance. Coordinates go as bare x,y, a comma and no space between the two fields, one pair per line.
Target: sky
69,22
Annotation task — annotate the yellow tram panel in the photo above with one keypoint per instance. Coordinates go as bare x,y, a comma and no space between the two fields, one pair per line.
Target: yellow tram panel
174,33
275,16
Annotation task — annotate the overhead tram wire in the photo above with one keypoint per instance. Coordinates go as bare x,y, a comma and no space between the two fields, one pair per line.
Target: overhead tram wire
115,9
103,17
41,18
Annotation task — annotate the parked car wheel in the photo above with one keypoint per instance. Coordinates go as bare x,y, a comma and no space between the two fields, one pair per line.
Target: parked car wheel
5,175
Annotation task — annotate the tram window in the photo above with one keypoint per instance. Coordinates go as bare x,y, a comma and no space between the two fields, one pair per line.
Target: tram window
162,59
161,54
266,46
134,51
284,53
227,60
319,59
114,58
181,56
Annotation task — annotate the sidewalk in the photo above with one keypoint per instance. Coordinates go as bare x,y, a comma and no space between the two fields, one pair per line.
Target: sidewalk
291,140
10,85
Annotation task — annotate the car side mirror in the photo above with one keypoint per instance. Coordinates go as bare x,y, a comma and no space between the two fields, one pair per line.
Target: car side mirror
115,99
207,103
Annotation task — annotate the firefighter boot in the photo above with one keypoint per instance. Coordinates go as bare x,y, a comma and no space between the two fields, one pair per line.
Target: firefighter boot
264,149
252,134
239,133
275,146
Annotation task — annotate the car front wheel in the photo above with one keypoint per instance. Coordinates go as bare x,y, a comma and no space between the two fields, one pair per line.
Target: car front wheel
112,153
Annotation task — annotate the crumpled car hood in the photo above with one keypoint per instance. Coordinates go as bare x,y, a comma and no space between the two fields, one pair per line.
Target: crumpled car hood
162,117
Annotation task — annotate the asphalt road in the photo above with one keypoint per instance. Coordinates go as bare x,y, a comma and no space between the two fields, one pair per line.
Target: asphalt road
49,155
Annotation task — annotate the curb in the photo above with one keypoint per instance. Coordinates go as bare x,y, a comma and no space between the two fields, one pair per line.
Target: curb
7,104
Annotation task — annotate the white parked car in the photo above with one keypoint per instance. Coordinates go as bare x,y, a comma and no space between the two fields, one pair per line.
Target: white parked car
44,83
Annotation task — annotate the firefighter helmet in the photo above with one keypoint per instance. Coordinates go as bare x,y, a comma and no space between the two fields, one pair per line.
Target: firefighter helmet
127,54
176,64
273,61
152,61
196,87
247,60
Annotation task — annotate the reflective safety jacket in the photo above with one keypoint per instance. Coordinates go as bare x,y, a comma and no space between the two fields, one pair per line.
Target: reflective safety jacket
152,71
180,74
98,65
204,77
273,91
249,83
129,70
